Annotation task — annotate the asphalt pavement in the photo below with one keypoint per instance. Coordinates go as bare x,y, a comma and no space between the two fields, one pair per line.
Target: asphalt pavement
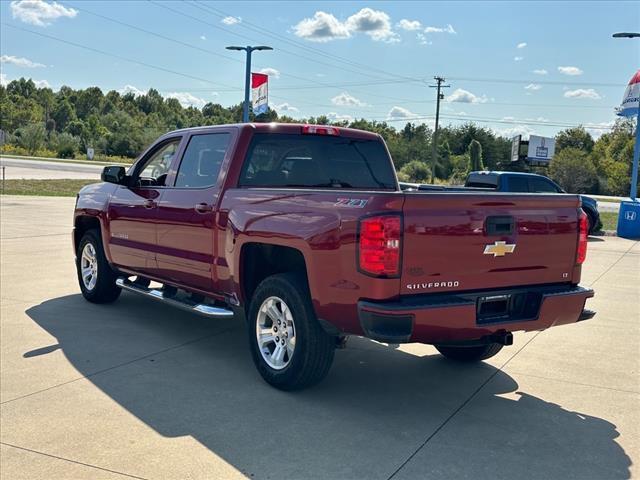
137,389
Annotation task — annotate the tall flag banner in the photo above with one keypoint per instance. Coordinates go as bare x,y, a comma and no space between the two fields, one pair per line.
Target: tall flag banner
631,100
259,93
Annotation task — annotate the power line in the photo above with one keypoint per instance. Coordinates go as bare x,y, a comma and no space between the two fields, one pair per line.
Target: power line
252,26
434,143
541,82
114,55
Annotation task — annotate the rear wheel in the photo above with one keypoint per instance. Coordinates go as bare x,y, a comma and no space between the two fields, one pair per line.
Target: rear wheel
289,347
470,354
96,278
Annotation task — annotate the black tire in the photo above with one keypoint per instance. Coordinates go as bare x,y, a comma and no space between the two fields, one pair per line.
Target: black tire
470,354
314,348
105,289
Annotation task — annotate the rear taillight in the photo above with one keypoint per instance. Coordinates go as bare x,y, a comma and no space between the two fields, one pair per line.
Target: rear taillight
380,245
583,232
320,130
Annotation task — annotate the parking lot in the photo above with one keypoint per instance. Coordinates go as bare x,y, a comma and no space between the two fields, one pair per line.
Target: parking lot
136,389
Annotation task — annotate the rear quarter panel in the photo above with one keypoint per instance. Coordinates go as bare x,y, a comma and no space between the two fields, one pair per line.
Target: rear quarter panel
322,228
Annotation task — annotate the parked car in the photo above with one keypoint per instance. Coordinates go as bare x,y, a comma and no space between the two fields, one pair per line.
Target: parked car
303,232
532,183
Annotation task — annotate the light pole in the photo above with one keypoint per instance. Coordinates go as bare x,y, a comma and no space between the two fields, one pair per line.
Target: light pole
247,78
636,150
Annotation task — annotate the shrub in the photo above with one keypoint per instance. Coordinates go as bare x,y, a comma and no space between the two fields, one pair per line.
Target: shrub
415,171
574,171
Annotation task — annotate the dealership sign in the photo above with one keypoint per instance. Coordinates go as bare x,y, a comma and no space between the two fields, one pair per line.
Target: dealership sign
541,149
259,93
631,100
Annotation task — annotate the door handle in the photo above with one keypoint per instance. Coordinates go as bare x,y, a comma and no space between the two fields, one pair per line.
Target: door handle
150,204
203,207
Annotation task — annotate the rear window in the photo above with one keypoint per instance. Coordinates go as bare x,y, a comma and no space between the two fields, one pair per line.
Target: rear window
480,185
308,161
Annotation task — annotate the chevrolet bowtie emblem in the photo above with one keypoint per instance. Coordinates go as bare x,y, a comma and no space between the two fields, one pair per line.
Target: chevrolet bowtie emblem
499,249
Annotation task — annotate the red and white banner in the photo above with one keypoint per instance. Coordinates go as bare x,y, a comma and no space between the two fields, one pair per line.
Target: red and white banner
631,100
259,93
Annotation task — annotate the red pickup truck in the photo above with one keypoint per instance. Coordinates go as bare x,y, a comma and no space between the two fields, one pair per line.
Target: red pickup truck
303,231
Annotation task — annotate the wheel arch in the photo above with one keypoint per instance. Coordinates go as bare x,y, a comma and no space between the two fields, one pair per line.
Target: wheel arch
260,260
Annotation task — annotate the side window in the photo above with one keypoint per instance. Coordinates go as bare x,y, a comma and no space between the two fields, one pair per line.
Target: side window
540,185
518,184
202,160
154,172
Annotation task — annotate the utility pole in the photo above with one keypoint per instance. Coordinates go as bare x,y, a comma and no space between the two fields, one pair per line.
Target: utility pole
247,76
434,140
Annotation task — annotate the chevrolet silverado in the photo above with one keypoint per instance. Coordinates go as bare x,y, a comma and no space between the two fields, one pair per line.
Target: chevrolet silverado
303,232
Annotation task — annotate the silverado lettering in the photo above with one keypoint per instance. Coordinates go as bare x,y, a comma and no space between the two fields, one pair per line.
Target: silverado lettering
262,222
417,286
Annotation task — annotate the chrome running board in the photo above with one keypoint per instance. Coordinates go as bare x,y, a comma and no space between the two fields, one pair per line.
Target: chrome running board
183,303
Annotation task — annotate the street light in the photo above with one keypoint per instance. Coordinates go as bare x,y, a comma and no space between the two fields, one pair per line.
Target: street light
626,35
247,79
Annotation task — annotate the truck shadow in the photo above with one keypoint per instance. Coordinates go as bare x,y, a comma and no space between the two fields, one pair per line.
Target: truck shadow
194,377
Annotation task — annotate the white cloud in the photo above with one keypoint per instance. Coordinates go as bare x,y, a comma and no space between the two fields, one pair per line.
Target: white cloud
323,27
42,84
20,62
39,12
186,99
409,25
509,132
272,72
521,45
540,71
3,79
347,100
202,37
533,87
336,117
572,71
583,93
464,96
598,129
447,29
423,39
131,89
518,59
231,20
375,23
285,107
400,113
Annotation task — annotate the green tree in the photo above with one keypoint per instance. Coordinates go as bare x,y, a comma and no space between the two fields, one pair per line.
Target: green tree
574,171
576,137
66,145
63,113
475,156
415,171
32,137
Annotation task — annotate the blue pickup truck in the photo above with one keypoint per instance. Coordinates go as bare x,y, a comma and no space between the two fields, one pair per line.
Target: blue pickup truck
532,183
514,182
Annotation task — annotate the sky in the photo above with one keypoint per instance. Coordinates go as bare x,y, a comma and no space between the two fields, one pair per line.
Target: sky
515,67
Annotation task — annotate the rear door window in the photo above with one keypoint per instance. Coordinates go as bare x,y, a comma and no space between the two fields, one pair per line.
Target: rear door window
202,160
518,184
308,161
541,185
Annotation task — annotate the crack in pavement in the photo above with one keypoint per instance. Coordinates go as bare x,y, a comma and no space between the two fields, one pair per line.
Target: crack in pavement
71,461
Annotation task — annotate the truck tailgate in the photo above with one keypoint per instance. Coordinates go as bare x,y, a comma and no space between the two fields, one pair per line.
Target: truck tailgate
453,241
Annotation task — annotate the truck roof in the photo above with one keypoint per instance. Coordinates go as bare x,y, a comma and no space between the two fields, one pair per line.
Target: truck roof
286,128
497,173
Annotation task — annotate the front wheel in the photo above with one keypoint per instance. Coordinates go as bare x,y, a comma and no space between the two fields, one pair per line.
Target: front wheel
96,278
289,347
470,354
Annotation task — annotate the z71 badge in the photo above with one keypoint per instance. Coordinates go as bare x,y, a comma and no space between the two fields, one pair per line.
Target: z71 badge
351,202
